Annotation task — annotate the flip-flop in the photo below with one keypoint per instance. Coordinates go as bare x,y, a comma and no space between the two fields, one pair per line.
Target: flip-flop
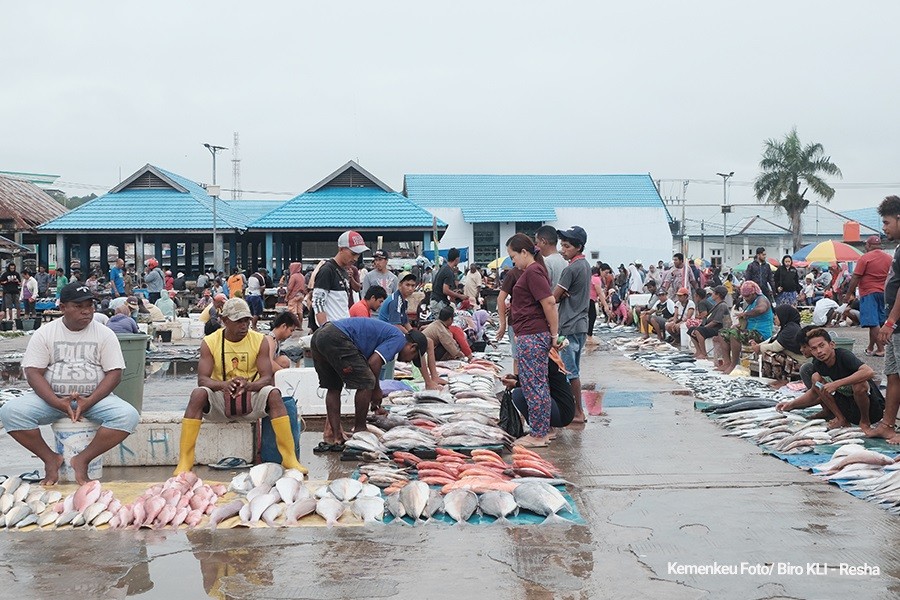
525,444
868,352
336,448
878,355
322,447
230,462
32,477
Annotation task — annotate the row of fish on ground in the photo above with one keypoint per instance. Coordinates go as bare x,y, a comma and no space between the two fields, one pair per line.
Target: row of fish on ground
865,473
184,499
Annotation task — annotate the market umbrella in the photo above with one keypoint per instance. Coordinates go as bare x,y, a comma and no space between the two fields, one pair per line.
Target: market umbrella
741,267
503,262
829,251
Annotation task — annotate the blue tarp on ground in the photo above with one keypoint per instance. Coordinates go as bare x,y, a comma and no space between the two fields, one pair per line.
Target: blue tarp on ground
625,399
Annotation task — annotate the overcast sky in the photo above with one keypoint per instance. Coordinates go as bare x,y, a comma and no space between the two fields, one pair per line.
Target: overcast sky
676,89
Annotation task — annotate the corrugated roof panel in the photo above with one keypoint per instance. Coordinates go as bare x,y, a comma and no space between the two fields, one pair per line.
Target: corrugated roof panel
152,209
26,204
500,214
366,207
561,191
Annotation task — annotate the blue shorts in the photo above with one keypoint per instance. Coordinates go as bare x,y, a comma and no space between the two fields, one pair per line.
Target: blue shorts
255,303
571,355
29,411
871,310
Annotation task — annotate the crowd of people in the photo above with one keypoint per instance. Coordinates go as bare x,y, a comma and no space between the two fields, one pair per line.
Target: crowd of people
363,321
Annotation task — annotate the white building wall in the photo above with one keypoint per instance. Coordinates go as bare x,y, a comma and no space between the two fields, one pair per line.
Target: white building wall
621,235
617,235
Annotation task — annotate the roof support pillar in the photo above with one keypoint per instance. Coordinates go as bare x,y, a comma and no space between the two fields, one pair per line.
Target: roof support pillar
139,253
244,250
268,251
60,250
218,252
84,256
43,251
104,258
232,252
157,242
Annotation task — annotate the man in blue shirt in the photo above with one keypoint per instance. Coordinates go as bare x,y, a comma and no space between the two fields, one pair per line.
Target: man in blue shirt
395,309
117,279
351,352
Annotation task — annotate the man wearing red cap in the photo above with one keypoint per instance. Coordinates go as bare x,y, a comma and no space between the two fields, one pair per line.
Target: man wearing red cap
869,275
154,280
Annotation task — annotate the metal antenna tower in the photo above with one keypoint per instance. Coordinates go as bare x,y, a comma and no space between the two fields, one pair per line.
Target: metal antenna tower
236,193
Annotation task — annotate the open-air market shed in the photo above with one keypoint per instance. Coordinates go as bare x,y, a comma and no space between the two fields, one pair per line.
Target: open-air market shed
23,207
168,216
624,215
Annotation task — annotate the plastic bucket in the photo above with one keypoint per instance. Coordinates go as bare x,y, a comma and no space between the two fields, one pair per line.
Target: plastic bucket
71,438
134,350
842,342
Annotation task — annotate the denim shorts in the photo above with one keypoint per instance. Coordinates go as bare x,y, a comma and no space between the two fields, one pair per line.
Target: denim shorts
871,310
571,355
29,411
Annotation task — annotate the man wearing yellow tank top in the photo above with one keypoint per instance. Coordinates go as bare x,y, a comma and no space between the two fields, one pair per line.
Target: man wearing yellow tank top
235,383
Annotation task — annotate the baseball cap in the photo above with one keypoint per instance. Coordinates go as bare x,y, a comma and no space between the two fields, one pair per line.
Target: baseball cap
152,263
406,275
662,293
236,309
131,301
379,254
418,338
354,241
874,240
682,291
75,292
573,233
637,261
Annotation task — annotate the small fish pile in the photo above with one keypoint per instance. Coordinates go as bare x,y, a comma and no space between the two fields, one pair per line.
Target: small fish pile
785,433
22,504
385,475
471,433
420,503
487,470
874,476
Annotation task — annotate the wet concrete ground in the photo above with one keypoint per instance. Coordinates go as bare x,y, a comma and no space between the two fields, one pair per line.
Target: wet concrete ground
658,486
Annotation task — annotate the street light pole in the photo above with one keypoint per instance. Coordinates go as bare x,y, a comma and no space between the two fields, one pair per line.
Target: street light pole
725,210
215,195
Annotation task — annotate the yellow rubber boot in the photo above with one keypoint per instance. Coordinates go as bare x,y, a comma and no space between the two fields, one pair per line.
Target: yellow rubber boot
284,440
190,430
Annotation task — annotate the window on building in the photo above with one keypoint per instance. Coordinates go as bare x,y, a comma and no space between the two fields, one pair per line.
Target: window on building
485,242
528,227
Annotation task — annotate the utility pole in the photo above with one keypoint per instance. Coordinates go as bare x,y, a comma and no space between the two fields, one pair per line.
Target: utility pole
236,193
725,210
214,192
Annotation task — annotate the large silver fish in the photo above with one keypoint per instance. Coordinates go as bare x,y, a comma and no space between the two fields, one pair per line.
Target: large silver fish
414,498
330,509
16,514
299,509
540,498
226,511
460,504
272,513
368,508
260,504
345,489
287,488
266,474
498,504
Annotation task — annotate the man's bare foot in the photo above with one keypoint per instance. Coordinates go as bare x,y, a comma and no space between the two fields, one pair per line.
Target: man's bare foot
380,410
880,430
837,423
554,433
894,441
701,356
51,470
80,467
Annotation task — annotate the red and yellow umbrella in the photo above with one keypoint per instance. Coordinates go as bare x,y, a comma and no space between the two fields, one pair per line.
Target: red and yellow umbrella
829,252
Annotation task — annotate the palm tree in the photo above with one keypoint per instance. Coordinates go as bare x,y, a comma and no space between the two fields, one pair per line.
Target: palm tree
785,166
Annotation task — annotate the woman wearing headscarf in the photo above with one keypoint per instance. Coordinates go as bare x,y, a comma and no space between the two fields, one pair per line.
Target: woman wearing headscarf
787,282
755,324
787,318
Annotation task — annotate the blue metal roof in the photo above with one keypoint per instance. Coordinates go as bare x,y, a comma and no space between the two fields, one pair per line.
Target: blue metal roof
151,209
251,210
865,216
493,214
347,207
530,197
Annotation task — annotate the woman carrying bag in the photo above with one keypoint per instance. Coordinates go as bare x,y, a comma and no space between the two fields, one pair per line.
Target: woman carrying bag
536,322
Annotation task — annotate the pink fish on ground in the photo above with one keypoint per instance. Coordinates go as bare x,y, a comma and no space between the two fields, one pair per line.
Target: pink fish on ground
165,516
86,495
114,506
153,506
185,500
220,489
126,515
199,501
139,512
224,512
106,496
180,516
193,519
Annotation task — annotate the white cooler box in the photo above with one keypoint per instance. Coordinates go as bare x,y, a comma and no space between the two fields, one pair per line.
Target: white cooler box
302,384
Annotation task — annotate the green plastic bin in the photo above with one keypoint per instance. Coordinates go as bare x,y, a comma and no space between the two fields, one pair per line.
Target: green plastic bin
845,343
134,349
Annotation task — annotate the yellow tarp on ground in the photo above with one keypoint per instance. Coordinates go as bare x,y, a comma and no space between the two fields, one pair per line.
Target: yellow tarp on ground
127,492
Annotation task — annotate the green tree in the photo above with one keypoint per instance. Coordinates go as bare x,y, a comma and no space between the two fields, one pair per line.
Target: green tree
786,166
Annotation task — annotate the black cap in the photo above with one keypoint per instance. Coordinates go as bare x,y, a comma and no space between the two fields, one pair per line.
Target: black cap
418,338
574,233
379,254
75,292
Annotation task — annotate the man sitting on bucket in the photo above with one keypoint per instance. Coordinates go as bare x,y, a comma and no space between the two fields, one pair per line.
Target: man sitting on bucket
235,379
73,364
